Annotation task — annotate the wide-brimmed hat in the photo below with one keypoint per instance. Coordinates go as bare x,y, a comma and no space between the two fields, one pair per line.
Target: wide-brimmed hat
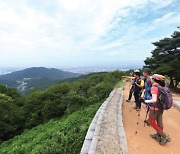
157,77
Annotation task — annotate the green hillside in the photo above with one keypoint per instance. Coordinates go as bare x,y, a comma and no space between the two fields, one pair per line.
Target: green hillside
35,78
62,136
54,120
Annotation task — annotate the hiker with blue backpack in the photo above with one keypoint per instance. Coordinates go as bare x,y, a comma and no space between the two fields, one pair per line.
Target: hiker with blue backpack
147,83
161,99
147,87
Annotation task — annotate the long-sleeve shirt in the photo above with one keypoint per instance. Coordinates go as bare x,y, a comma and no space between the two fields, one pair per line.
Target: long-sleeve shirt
154,98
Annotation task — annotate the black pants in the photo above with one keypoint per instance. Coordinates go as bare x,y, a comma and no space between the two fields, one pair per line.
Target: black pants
137,97
130,93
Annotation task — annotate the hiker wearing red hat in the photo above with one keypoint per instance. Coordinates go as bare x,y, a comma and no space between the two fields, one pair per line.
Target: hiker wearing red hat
156,112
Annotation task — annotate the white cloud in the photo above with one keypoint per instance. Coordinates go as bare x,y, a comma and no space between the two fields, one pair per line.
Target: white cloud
75,27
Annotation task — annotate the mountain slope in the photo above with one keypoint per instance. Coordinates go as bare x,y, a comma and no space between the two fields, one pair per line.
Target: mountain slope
39,72
34,78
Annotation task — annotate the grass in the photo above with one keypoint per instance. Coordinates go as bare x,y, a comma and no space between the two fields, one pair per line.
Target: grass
60,136
119,84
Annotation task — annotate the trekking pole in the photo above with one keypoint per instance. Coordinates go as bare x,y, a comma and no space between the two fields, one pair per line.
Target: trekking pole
137,122
146,116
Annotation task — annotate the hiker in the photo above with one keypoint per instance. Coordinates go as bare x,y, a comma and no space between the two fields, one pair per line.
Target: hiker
131,89
147,83
139,84
156,111
147,87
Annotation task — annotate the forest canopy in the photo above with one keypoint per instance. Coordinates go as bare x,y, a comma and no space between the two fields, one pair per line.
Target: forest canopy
165,58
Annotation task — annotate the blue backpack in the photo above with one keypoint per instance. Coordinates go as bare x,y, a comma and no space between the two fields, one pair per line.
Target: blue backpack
148,85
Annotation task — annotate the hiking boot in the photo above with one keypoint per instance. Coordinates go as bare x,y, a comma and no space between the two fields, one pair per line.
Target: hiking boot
135,107
165,140
147,122
127,100
138,109
157,137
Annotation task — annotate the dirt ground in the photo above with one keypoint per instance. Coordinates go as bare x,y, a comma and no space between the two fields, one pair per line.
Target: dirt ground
176,97
142,143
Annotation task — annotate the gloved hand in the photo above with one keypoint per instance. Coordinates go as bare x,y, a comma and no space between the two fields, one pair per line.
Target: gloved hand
142,100
147,104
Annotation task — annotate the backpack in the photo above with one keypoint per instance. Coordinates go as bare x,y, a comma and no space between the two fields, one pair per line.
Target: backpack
165,99
147,87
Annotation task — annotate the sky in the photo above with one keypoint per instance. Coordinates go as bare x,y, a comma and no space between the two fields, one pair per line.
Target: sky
80,33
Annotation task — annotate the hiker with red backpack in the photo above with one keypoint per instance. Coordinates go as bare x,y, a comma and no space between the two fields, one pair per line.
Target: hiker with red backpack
161,100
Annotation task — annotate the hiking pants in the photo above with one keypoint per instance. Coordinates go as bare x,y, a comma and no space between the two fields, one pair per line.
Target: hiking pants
137,97
130,93
155,119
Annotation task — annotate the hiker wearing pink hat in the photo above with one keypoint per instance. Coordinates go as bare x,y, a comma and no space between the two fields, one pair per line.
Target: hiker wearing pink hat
156,112
157,77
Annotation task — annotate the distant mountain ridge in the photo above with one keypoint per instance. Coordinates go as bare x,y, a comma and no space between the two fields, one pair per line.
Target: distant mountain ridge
38,72
34,78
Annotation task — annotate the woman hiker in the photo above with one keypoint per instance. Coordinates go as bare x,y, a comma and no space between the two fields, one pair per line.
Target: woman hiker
155,115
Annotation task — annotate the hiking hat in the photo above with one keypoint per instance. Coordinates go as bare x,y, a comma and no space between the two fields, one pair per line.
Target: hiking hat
136,71
157,77
163,77
147,70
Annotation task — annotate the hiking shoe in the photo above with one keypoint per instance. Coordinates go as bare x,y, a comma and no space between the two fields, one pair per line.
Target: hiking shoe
138,109
147,122
157,137
135,107
127,100
165,140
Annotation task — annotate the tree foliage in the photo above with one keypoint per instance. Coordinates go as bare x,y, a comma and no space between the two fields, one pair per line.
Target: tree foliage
19,113
165,57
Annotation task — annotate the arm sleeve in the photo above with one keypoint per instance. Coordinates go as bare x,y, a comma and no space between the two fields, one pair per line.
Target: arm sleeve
142,83
153,99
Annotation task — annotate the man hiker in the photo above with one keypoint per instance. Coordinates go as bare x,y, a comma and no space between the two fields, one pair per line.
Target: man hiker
147,87
131,89
147,83
139,84
156,111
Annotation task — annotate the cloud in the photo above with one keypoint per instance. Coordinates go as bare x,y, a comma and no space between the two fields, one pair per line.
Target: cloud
65,29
